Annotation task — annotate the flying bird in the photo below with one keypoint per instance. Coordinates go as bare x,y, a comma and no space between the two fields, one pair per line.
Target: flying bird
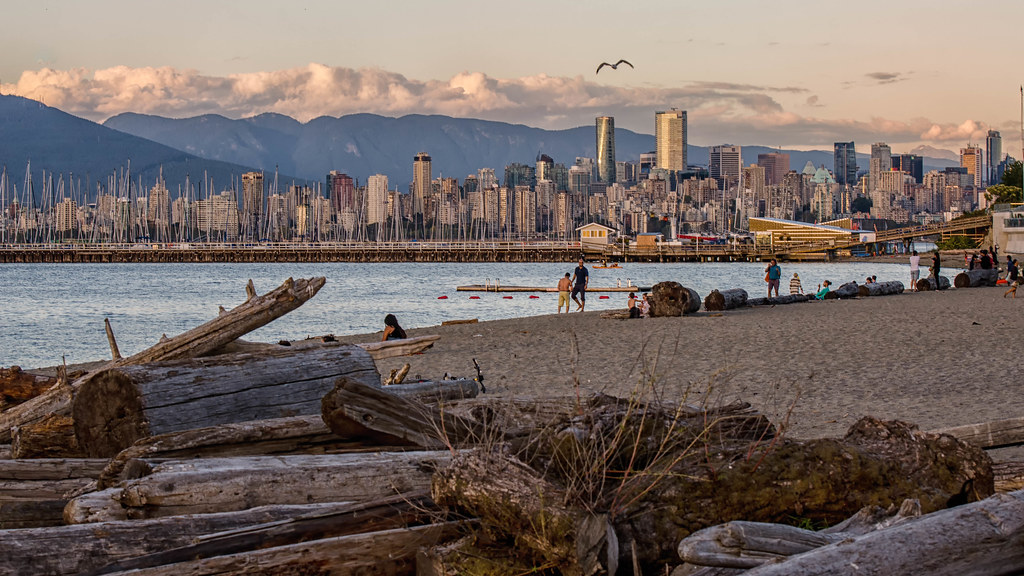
612,66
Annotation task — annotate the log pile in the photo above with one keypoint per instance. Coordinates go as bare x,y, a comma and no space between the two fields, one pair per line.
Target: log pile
976,277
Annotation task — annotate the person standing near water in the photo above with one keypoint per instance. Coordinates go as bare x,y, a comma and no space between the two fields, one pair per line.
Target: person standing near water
773,274
794,284
563,293
936,267
915,269
580,279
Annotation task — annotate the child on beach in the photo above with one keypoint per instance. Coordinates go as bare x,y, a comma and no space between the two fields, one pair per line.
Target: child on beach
634,311
794,284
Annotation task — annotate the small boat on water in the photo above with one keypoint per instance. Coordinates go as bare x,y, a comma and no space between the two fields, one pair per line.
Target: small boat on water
605,266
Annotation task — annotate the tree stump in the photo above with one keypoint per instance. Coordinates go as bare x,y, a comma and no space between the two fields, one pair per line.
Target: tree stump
673,299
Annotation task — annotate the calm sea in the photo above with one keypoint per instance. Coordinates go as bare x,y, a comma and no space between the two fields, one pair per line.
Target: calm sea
54,311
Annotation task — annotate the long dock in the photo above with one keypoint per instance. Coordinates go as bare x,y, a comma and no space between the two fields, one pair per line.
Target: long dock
503,288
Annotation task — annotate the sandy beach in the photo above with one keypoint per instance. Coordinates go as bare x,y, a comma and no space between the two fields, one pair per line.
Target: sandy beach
935,359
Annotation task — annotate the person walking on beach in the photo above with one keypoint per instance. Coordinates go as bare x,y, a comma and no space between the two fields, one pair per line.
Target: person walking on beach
1013,277
794,284
773,274
563,293
580,280
936,268
915,269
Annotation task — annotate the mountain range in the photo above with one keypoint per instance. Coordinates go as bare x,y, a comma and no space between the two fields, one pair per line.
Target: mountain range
358,144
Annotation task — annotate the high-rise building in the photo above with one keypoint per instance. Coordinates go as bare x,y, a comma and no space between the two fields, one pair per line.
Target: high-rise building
377,199
545,166
670,139
911,164
252,204
422,176
725,165
341,189
993,155
845,164
776,165
971,159
606,149
881,161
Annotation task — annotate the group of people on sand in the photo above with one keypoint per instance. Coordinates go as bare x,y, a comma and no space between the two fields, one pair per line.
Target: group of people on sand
575,287
773,276
639,307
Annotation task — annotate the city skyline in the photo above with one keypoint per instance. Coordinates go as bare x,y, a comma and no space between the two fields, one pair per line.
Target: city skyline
747,73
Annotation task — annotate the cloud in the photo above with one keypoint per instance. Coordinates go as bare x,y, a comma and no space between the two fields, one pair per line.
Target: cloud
717,111
886,77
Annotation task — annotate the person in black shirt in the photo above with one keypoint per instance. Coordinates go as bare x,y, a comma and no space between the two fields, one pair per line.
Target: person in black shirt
580,279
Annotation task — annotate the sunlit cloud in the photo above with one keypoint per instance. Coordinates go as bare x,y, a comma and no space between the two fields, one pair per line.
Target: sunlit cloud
718,112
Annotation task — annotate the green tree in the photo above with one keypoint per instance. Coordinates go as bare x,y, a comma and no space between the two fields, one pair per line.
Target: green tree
957,243
1012,175
1003,193
861,204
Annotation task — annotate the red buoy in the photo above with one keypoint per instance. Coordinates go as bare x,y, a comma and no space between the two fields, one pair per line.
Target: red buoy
532,296
442,297
602,297
507,297
474,297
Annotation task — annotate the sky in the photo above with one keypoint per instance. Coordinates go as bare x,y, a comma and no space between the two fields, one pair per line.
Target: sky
790,73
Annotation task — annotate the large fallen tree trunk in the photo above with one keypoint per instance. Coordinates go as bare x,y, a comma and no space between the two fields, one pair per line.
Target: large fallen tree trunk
928,283
116,407
670,299
975,278
355,409
846,291
880,288
776,300
255,312
978,539
386,552
725,299
33,492
51,437
208,485
17,386
76,549
377,350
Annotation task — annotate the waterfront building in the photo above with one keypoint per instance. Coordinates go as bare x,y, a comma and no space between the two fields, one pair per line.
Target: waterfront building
971,159
377,199
525,206
422,177
776,165
217,216
605,141
993,155
725,165
670,139
845,163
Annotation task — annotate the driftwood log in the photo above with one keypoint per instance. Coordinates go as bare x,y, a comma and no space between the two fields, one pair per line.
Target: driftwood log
880,288
255,312
977,539
377,350
1009,476
995,434
776,300
669,299
33,492
928,283
51,437
725,299
208,485
17,386
116,407
848,290
975,278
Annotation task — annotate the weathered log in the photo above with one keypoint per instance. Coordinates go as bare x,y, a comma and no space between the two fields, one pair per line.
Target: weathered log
116,407
51,437
510,497
355,409
35,513
995,434
328,522
51,468
776,300
928,283
207,485
975,278
83,548
92,507
435,391
846,291
17,386
880,288
977,539
726,299
403,347
33,492
244,318
669,299
377,350
1009,476
386,552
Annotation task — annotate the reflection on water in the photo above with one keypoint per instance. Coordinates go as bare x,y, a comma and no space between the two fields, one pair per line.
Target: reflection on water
50,311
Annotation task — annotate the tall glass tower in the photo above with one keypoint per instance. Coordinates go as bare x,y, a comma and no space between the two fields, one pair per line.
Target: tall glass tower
993,155
845,164
606,149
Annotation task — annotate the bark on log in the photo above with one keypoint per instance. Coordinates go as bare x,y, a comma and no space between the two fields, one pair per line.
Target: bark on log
880,288
31,513
355,409
33,492
996,434
208,485
848,290
89,547
329,522
242,319
670,299
17,386
1009,476
978,539
975,278
741,544
726,299
51,469
928,283
51,437
117,407
93,507
387,552
776,300
510,497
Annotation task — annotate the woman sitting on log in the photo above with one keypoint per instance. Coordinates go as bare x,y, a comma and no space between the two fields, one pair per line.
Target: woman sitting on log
822,290
392,331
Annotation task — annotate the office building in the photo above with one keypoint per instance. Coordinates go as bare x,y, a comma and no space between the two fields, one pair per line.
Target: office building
881,161
670,139
725,165
844,165
605,149
422,177
776,165
993,155
912,164
377,199
971,159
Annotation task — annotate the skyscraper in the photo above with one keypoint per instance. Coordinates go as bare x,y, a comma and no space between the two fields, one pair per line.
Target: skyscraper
670,139
422,176
911,164
775,165
881,161
845,164
341,189
725,165
606,149
970,158
993,155
377,199
252,203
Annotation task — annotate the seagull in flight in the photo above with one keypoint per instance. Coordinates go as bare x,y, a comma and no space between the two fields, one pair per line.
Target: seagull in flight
612,66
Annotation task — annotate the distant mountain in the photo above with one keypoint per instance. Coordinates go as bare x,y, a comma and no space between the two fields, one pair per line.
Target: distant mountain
63,144
932,153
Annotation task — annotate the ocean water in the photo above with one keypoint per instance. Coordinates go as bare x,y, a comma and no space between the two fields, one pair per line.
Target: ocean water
50,312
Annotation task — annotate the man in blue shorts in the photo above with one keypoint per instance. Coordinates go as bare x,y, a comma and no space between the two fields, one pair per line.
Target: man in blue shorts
580,279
